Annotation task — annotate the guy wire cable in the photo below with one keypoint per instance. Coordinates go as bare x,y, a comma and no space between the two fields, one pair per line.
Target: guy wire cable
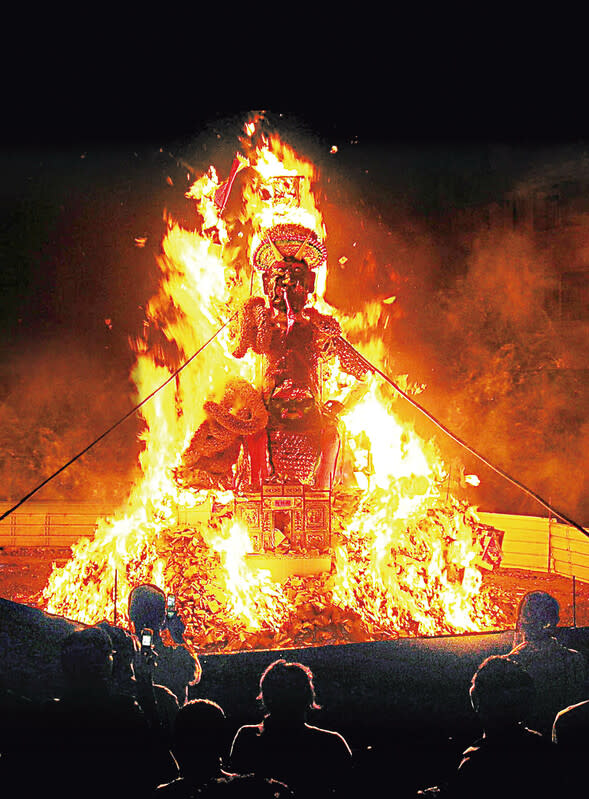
116,424
462,443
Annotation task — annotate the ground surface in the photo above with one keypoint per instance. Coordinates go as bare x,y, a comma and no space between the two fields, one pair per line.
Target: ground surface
24,572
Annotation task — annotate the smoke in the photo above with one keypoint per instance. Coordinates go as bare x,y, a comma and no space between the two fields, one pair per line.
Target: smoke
471,322
505,389
57,401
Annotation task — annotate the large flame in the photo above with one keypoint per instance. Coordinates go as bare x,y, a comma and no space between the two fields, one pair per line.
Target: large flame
406,555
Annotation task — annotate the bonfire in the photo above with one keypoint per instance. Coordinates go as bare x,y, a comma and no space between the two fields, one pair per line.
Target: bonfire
282,500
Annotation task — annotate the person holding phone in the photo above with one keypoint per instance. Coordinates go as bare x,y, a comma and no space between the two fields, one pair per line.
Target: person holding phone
95,741
133,668
170,605
174,666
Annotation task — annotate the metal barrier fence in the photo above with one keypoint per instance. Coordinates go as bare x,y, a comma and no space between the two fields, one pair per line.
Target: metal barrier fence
60,524
49,524
532,543
536,543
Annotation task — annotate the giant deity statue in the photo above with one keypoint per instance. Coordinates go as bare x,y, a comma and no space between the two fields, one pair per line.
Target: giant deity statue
283,434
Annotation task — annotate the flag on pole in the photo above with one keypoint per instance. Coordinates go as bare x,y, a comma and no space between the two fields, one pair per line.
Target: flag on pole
222,194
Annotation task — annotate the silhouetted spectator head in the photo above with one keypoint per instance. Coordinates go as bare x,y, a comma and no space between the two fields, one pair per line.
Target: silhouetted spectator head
200,737
123,656
147,608
538,615
87,659
287,690
501,692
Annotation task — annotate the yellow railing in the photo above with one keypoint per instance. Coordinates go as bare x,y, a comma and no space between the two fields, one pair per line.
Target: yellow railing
532,543
536,543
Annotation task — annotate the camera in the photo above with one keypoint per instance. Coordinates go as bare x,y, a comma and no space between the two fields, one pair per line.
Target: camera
146,641
171,605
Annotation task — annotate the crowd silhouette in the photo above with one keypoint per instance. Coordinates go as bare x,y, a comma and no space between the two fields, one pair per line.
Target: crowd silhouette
124,724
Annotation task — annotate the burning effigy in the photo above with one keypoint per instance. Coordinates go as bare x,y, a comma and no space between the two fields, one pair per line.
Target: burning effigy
282,499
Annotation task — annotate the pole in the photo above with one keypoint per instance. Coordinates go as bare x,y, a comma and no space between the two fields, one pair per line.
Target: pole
549,536
574,601
115,598
448,482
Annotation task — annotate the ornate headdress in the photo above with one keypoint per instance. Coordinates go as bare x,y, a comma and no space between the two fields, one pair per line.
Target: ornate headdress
289,240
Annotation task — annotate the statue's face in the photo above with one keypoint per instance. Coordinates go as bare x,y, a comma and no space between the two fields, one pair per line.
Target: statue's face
288,284
292,408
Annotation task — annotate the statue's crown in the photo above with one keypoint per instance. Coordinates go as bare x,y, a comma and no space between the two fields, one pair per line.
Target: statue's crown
289,241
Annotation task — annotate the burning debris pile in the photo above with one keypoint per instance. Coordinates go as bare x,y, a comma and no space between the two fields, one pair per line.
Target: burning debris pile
413,588
282,500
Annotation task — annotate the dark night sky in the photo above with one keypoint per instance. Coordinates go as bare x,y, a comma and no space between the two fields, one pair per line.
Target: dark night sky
86,168
83,176
79,186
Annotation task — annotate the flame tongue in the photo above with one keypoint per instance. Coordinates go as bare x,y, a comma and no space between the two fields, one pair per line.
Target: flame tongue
405,552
